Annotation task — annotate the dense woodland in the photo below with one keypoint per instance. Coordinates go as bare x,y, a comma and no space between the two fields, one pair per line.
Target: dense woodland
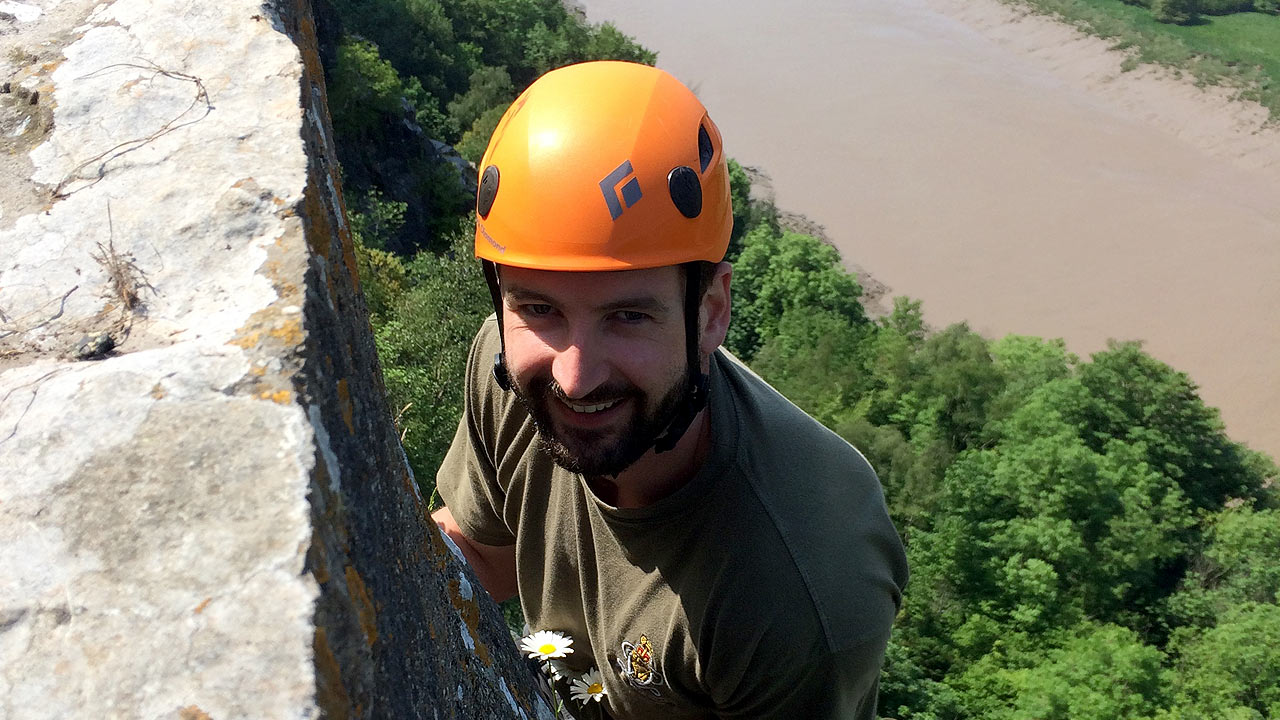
1085,541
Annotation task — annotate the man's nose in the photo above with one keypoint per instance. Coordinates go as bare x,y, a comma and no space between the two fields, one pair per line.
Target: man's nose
579,368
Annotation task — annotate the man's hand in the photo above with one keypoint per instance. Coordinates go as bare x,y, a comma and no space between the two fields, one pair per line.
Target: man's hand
495,565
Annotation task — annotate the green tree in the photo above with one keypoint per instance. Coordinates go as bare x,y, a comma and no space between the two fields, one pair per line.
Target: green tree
956,379
1179,12
366,93
740,196
382,280
1231,670
1240,564
908,693
1041,531
1097,672
423,344
911,476
1026,363
781,271
814,360
476,139
901,335
416,37
1134,397
548,46
489,88
374,219
1104,673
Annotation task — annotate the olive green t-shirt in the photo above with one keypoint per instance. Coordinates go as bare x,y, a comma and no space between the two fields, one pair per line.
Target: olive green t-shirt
763,588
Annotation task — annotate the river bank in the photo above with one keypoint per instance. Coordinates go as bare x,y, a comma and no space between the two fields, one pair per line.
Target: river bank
876,298
1003,168
1208,117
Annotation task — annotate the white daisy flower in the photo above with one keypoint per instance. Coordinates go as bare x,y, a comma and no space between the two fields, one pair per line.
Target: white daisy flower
588,687
546,644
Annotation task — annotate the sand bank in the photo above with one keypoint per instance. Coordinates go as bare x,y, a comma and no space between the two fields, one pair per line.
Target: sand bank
1210,118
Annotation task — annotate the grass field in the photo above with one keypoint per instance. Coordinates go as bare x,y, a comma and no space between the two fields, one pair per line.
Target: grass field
1240,50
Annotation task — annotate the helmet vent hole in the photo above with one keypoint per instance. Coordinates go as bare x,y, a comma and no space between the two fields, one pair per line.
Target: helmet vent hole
686,191
705,151
488,191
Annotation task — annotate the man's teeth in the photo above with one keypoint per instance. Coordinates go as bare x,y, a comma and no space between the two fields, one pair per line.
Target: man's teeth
591,408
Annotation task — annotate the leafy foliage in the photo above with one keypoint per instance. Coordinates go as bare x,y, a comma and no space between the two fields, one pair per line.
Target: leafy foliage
779,271
366,92
490,89
1239,564
1180,12
740,198
1231,670
476,139
423,337
1104,673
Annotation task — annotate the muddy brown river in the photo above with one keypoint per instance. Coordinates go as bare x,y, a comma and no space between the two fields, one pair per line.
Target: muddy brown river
1004,171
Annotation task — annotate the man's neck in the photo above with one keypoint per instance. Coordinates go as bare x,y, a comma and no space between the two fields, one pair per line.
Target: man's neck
655,476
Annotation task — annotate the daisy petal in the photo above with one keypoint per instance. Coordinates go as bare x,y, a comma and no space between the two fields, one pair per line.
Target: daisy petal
546,644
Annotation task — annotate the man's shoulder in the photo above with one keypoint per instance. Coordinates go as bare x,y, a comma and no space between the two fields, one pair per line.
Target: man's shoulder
777,440
822,505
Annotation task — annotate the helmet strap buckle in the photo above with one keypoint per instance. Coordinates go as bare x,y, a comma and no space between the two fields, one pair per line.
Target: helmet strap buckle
500,374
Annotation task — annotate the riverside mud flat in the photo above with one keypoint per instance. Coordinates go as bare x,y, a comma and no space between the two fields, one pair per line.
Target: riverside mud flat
1003,169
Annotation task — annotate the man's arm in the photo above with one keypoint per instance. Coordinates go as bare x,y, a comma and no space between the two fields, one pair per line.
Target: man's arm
494,565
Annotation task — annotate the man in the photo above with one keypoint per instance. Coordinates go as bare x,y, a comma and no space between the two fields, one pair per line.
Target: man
708,549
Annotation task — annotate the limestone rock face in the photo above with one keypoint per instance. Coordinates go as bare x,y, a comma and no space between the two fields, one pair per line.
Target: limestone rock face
204,508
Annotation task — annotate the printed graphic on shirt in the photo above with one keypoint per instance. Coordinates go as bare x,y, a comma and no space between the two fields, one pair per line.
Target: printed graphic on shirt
639,666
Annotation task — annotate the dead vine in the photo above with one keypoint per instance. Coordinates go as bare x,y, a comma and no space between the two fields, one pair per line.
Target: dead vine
62,306
30,402
106,156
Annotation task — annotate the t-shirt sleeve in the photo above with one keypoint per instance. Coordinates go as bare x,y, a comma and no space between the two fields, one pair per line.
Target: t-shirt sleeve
836,685
467,479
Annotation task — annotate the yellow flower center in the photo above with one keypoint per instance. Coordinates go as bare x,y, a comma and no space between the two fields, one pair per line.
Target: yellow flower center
595,688
546,648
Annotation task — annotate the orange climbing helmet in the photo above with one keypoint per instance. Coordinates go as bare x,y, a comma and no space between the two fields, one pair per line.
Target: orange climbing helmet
603,166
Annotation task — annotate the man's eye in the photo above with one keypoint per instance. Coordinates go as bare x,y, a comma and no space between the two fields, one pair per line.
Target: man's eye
537,309
632,316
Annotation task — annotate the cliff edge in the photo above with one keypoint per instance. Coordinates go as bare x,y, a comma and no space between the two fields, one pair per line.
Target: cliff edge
204,508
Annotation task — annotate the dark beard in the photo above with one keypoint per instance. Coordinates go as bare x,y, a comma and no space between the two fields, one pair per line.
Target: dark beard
583,452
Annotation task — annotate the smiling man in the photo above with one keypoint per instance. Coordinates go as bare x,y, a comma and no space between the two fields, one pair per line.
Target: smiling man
704,547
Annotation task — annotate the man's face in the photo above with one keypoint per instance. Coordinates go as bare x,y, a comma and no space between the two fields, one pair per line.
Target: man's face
597,358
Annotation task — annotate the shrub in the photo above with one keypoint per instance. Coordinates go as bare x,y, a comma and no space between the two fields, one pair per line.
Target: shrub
1177,12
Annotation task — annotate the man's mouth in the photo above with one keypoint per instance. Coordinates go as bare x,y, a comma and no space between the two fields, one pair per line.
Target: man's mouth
587,409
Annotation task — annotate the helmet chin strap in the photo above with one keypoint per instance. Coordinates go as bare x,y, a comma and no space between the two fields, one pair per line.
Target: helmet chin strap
500,374
699,382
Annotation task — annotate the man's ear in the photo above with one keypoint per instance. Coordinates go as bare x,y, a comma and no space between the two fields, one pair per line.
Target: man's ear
716,309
